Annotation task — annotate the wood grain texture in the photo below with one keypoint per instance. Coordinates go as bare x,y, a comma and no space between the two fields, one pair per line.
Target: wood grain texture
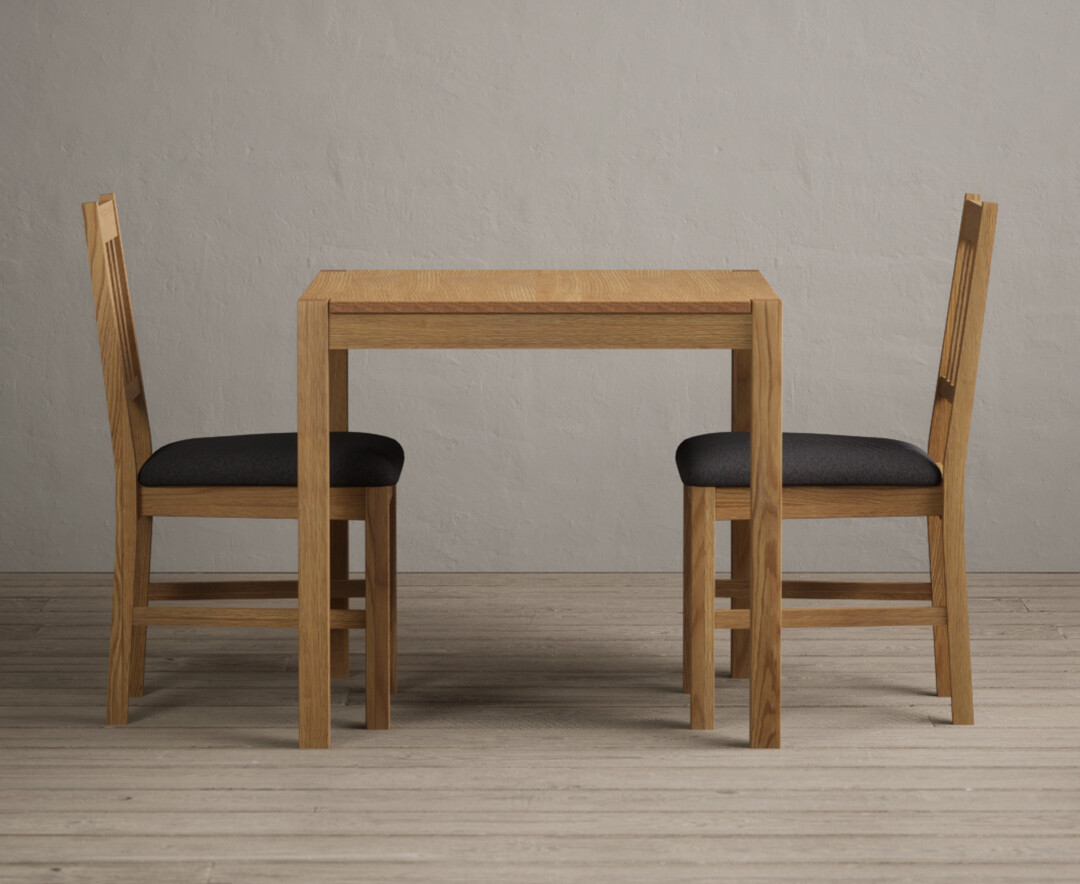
140,598
532,309
130,432
943,505
960,687
766,497
278,618
702,574
736,619
128,421
936,542
950,428
120,645
540,291
242,502
313,474
502,331
954,395
838,502
911,615
136,505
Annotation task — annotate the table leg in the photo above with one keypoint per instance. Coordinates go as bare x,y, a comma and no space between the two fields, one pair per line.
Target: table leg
313,518
741,372
766,490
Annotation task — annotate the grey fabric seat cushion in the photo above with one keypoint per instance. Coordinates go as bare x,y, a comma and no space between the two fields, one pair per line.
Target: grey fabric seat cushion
722,460
356,460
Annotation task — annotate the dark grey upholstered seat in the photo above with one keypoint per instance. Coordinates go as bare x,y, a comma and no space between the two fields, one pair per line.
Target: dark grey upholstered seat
722,460
356,460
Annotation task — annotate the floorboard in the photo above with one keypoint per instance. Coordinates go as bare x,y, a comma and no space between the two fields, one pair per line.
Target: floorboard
539,734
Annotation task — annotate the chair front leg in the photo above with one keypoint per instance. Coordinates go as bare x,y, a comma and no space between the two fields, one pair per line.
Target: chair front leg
702,596
144,527
935,533
963,711
121,637
377,600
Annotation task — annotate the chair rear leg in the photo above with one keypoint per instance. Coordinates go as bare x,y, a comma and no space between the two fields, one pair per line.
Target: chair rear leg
121,637
702,619
935,533
377,600
956,601
140,598
339,570
740,570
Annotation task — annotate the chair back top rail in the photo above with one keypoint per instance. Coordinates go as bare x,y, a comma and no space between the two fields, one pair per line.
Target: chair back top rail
955,391
128,420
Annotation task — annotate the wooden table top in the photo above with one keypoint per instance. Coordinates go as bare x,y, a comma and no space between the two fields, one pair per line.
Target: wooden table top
539,291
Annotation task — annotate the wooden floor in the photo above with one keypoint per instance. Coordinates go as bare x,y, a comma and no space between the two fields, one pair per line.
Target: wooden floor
539,735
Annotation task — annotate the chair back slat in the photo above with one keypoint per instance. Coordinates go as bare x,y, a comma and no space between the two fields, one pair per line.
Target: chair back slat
954,394
128,420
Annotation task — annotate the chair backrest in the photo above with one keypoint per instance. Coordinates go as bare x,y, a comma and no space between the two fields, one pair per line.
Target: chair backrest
128,421
955,394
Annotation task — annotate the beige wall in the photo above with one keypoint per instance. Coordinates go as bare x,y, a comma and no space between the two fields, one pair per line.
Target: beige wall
251,144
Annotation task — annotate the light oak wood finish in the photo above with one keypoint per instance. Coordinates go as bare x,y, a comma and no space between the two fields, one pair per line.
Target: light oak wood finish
136,505
139,600
702,569
638,331
837,502
942,506
936,543
540,737
313,488
736,619
540,291
243,502
568,309
240,617
766,395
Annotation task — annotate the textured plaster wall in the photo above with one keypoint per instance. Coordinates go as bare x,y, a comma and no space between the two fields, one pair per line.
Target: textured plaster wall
251,144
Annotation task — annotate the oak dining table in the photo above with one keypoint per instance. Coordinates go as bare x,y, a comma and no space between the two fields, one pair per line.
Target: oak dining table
733,310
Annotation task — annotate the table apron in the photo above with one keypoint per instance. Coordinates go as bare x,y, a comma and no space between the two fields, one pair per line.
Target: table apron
721,331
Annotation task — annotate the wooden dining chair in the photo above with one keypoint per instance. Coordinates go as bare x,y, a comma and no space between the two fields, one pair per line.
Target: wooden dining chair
252,477
827,476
